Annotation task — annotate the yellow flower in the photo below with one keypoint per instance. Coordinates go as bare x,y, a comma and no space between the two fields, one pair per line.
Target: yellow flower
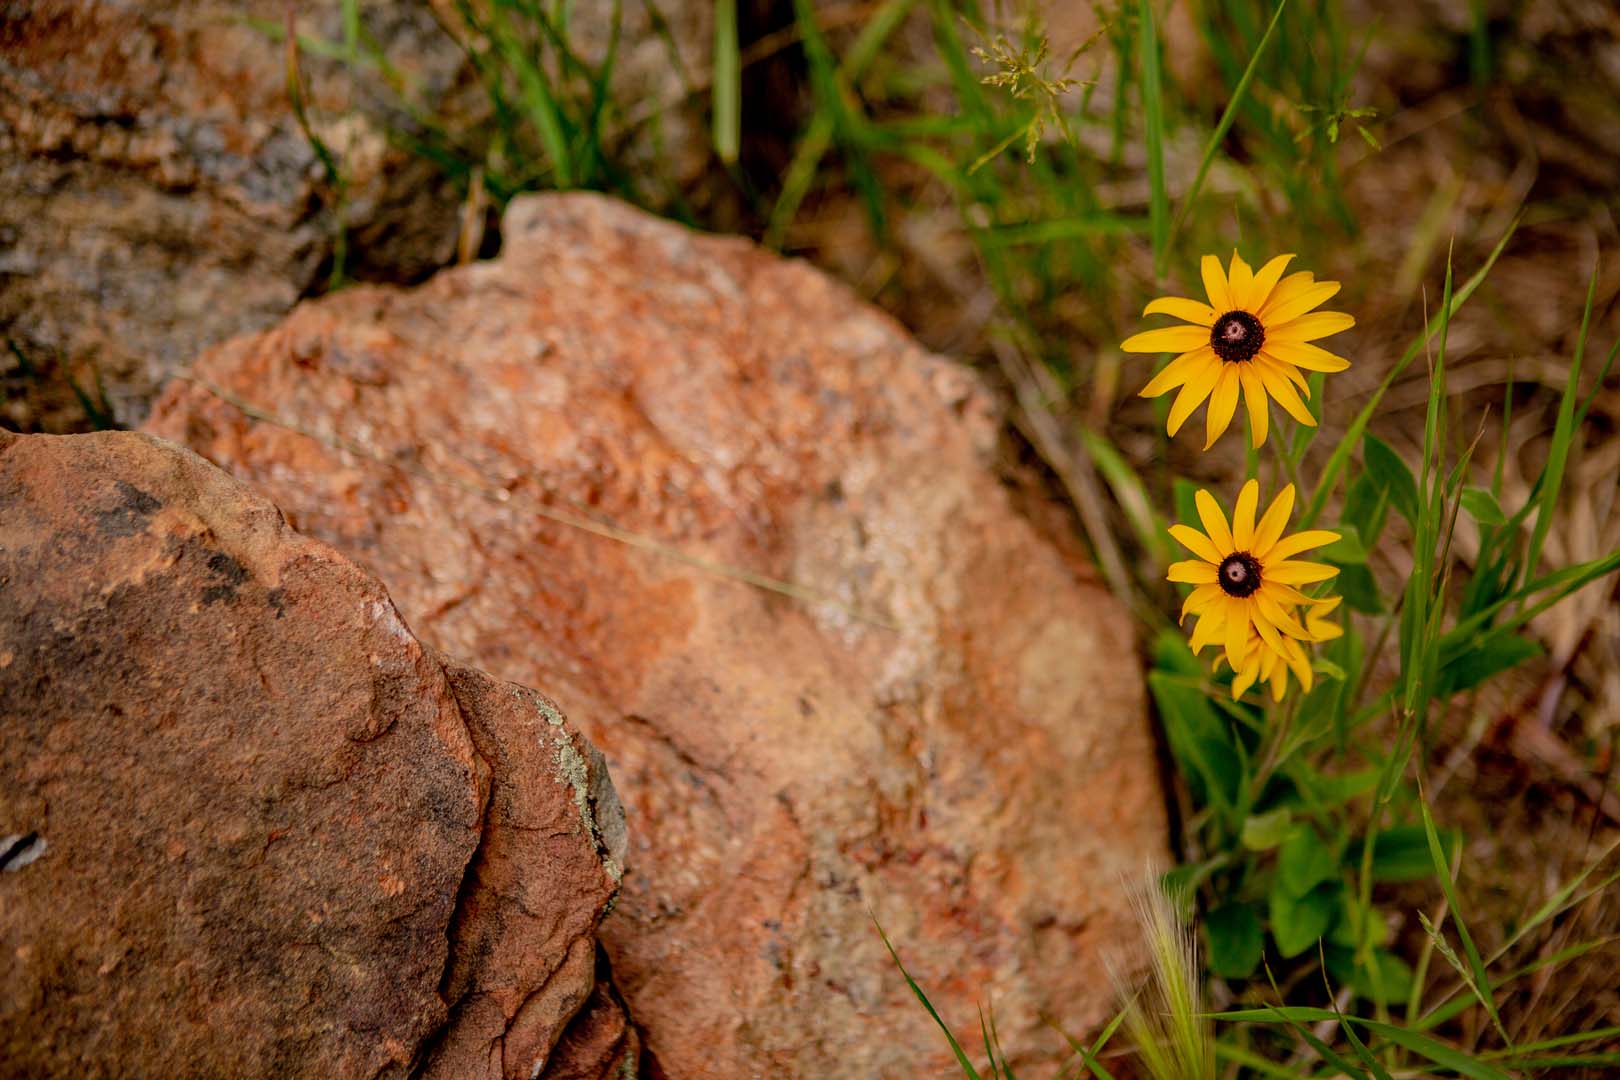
1266,665
1245,581
1252,337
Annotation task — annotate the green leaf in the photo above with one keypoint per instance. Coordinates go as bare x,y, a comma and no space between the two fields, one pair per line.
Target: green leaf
1352,926
1262,832
1392,476
1171,654
1331,790
1482,506
1327,667
1401,854
1364,506
1305,861
1390,983
1198,740
1347,549
1360,590
1235,940
1493,655
1432,1049
1298,922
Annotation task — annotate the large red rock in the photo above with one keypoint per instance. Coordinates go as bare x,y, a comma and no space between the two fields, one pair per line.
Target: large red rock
249,826
564,462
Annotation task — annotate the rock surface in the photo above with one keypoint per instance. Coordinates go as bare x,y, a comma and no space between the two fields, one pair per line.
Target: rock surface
947,732
249,826
157,194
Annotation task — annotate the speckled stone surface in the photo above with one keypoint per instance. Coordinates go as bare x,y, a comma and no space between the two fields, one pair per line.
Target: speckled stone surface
249,825
950,736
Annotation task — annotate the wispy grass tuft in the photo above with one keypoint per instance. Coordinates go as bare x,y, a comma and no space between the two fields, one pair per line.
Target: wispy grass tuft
1165,1020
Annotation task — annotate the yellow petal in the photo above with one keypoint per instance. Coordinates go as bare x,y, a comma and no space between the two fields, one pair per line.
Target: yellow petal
1278,615
1240,282
1220,297
1197,543
1244,679
1222,404
1292,308
1277,384
1318,324
1296,659
1288,288
1236,631
1205,632
1192,572
1279,683
1295,376
1268,632
1215,527
1199,600
1189,310
1290,546
1309,357
1272,524
1176,339
1299,573
1180,370
1258,404
1243,515
1191,396
1286,594
1321,629
1265,280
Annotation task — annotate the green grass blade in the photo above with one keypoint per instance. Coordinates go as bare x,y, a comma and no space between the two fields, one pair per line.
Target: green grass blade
726,94
1341,454
956,1048
1481,978
1563,435
1088,1056
1153,115
1219,134
538,98
1597,387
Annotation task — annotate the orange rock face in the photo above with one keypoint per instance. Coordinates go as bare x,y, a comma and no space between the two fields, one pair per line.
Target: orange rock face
943,728
249,826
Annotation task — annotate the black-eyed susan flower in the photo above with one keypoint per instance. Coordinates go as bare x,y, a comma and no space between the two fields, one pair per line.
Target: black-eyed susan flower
1252,339
1267,666
1245,580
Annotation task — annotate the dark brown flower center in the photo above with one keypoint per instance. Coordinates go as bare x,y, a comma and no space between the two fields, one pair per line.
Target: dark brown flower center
1237,336
1239,575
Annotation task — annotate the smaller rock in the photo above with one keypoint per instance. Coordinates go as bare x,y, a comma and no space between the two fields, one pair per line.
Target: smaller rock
249,826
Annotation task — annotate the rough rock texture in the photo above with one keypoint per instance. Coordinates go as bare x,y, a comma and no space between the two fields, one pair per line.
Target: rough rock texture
949,735
157,194
248,825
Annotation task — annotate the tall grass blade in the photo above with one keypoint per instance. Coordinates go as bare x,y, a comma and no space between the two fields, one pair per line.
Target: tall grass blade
956,1048
1341,454
1153,115
1481,978
1563,435
726,95
1217,136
